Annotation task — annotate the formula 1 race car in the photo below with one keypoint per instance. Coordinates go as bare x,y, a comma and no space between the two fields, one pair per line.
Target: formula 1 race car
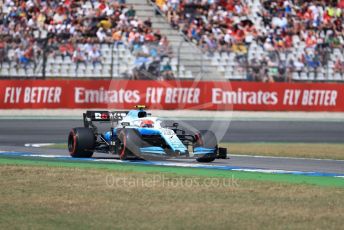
136,133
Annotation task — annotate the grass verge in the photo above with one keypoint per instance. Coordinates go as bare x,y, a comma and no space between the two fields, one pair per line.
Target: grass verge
41,197
304,150
180,171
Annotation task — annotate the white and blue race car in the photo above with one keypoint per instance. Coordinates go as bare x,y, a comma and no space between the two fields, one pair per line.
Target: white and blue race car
136,134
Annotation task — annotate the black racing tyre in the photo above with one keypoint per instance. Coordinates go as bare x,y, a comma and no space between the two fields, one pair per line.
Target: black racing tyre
81,142
206,139
130,143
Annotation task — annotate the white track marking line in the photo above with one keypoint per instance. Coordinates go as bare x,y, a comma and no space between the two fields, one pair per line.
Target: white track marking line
177,164
45,156
269,171
38,145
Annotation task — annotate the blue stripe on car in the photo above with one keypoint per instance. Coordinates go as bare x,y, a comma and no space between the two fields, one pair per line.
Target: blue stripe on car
152,149
202,150
148,131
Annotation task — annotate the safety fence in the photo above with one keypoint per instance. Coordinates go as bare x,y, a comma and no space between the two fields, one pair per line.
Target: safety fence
54,57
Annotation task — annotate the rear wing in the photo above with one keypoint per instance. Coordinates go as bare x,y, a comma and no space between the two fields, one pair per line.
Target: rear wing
103,116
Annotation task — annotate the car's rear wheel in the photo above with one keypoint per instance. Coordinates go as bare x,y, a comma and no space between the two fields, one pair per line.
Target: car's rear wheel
81,142
207,139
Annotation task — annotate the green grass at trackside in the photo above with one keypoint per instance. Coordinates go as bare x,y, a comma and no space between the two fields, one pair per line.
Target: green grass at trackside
180,171
77,195
280,149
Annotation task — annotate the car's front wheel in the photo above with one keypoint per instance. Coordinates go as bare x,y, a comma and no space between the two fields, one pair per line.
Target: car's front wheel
130,143
207,139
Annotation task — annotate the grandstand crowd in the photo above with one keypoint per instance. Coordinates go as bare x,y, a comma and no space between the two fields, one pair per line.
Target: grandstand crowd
312,27
293,35
32,28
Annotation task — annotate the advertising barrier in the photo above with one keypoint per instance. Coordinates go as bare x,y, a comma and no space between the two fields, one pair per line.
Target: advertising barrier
124,94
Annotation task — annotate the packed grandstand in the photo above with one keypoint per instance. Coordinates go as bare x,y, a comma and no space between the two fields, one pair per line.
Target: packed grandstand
284,40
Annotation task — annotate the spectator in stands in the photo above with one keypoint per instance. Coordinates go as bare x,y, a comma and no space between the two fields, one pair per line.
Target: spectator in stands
158,37
3,51
101,35
95,55
166,72
117,37
153,52
339,65
254,70
66,49
86,46
161,4
264,74
79,57
272,70
333,41
298,65
148,22
149,36
209,44
312,61
131,13
164,47
18,52
25,55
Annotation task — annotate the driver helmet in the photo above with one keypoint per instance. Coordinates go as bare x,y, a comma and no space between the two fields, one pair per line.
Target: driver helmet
147,124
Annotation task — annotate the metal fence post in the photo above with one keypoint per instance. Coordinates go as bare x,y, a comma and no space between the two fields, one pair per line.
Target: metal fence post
178,55
202,65
117,58
45,53
247,61
111,67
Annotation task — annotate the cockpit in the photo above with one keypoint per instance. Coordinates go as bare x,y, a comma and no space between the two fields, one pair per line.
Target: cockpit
142,114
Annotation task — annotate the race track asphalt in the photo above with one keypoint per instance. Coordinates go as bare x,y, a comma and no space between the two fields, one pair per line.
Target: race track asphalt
15,133
19,132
